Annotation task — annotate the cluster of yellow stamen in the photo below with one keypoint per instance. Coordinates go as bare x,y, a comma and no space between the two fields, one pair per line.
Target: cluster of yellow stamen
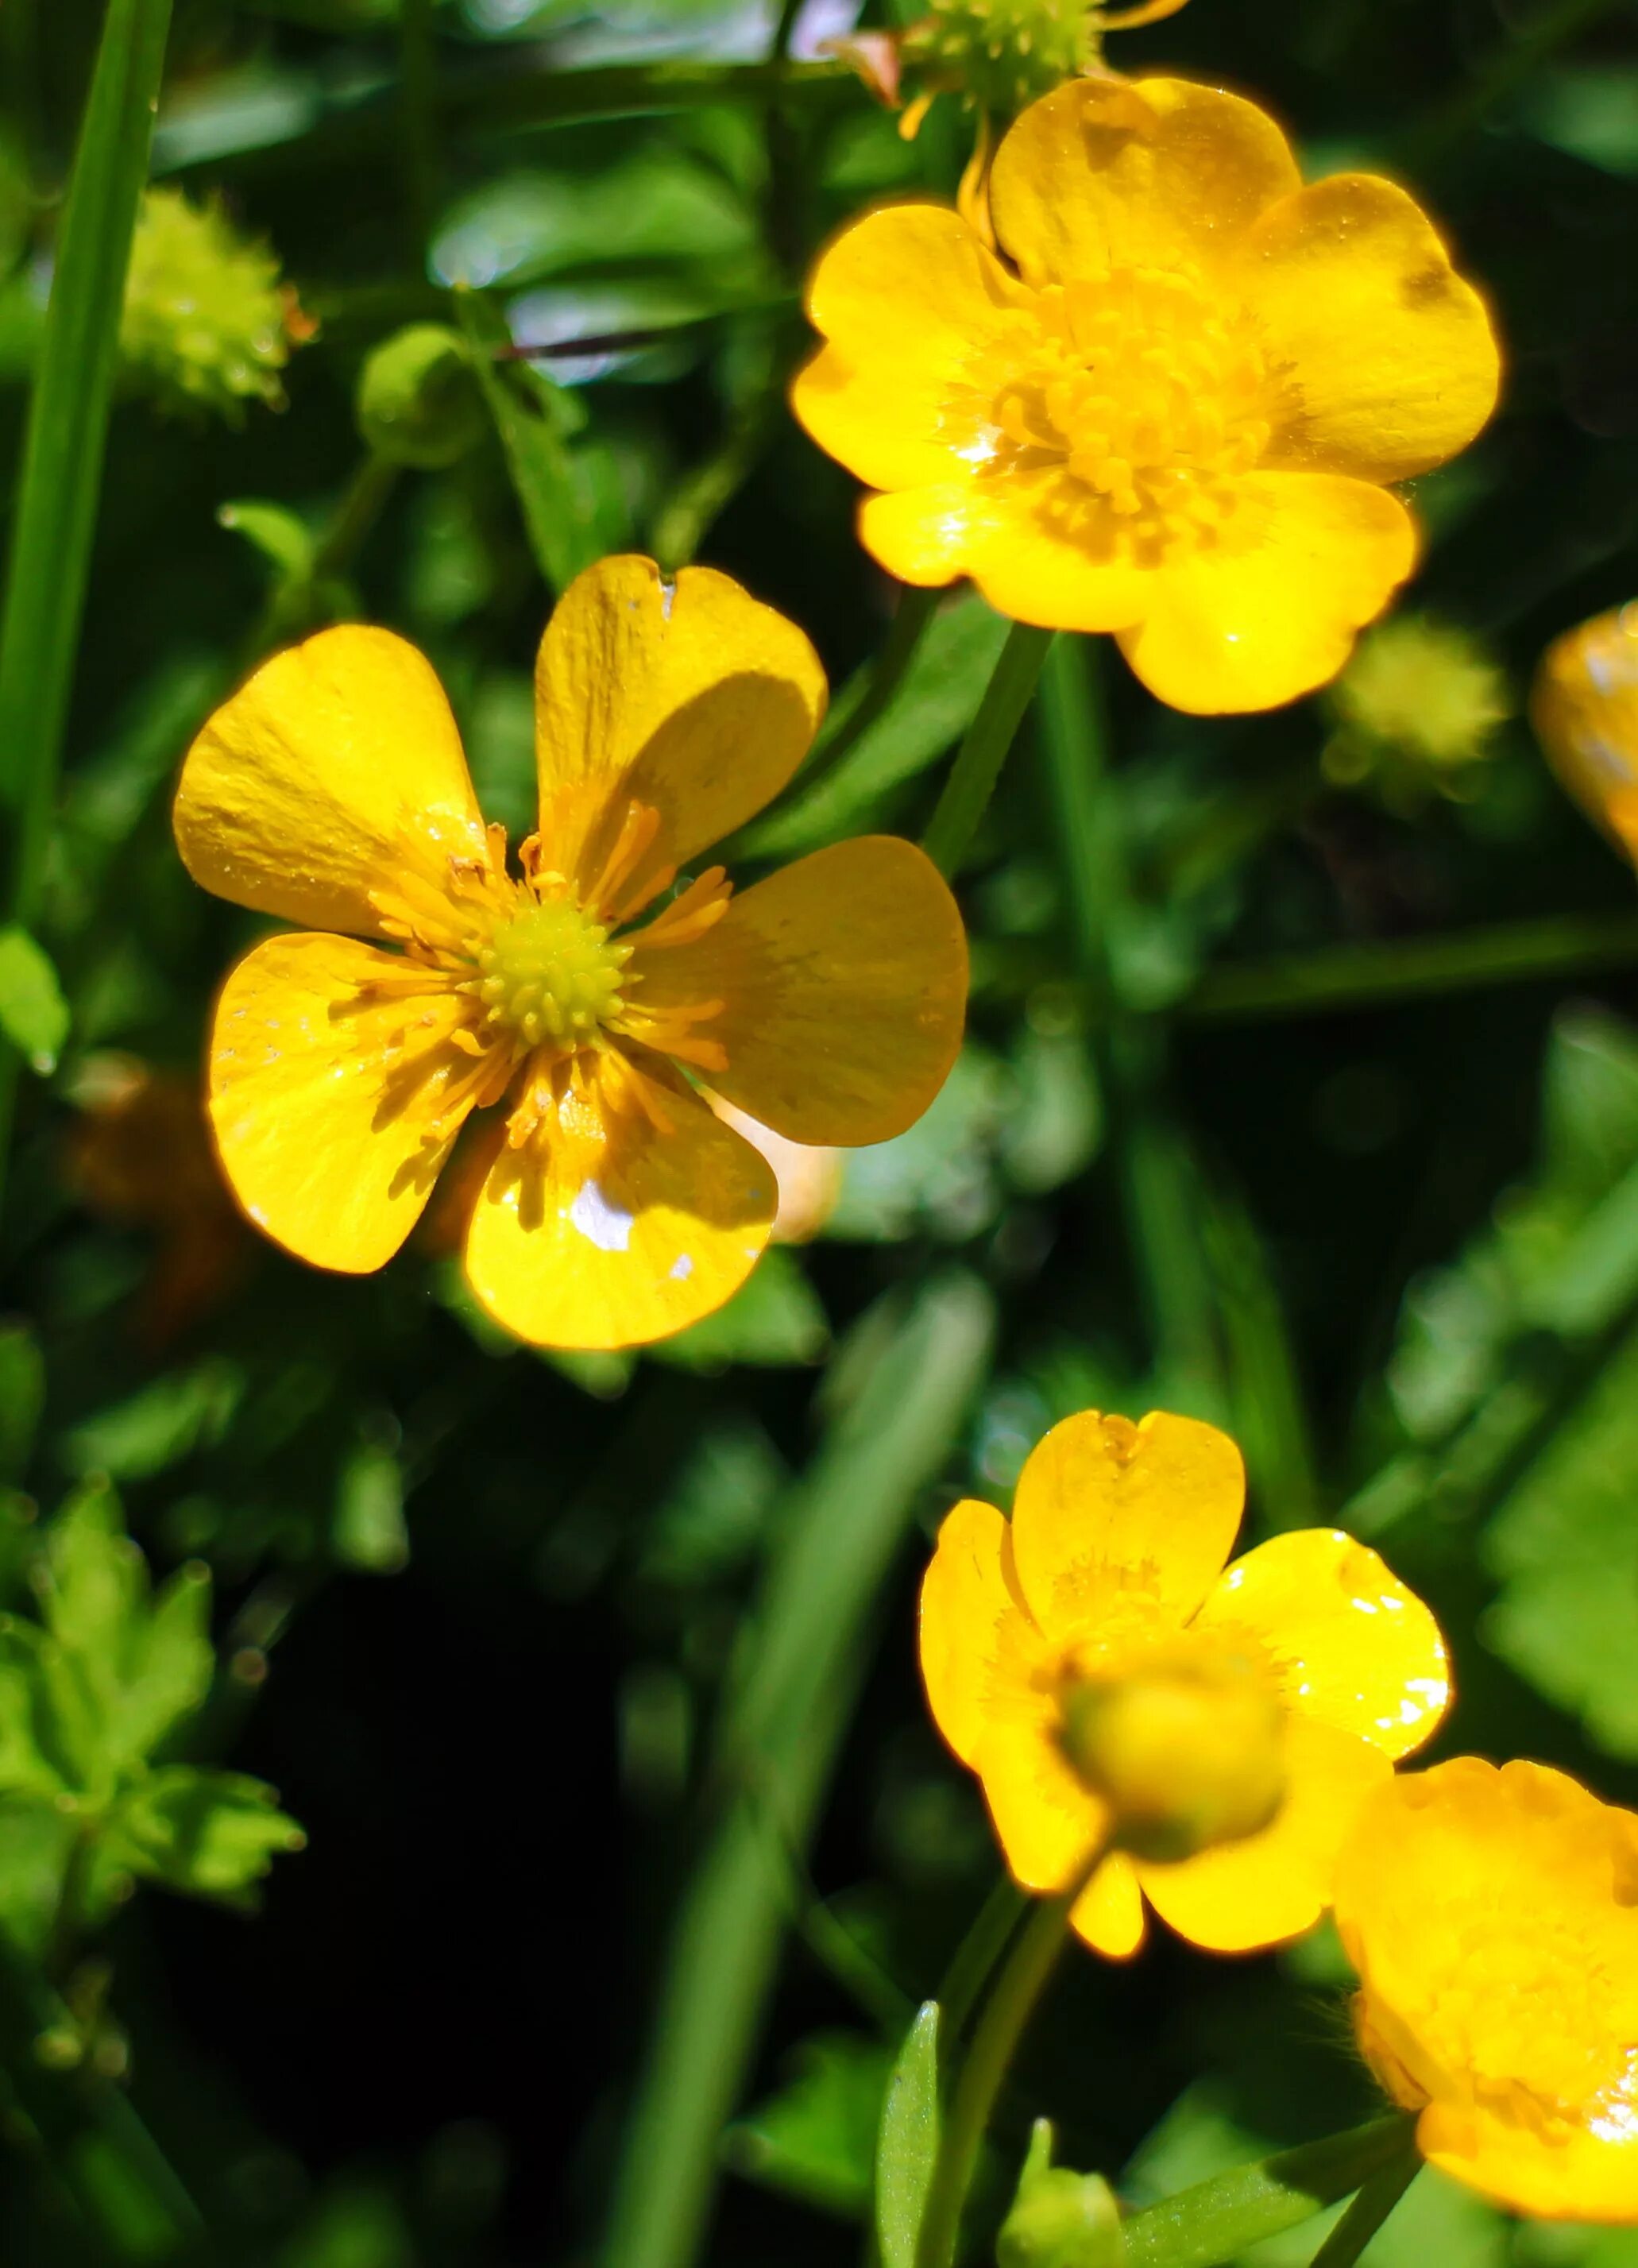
1144,389
536,976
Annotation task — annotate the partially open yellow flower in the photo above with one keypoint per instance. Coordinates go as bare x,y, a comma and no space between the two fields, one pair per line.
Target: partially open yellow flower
827,1000
1493,1917
1171,410
1585,708
1112,1563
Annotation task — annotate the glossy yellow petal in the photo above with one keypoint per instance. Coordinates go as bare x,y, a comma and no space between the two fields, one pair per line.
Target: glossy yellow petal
689,698
1109,1913
977,1642
1270,610
1386,358
1107,173
1123,1526
843,984
606,1231
1493,1917
1013,538
333,1106
1347,1643
1276,1884
303,792
1049,1824
887,399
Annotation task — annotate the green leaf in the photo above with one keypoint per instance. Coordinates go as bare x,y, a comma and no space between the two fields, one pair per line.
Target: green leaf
714,1517
62,450
815,2139
34,1014
907,2145
935,702
277,533
772,1321
1058,2218
32,1757
36,1838
159,1424
657,205
22,1398
211,1834
170,1661
368,1529
90,1577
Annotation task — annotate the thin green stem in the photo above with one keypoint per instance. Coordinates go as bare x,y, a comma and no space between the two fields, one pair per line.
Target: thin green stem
899,648
1365,2216
979,761
1009,2009
418,68
1217,2221
62,452
976,1957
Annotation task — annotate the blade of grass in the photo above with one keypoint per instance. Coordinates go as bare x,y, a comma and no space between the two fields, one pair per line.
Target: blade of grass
783,1730
63,450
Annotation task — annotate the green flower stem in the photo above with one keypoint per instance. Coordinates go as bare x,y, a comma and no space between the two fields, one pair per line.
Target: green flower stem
1217,2221
979,761
63,451
977,1955
899,648
1009,2009
418,70
809,1652
1376,2199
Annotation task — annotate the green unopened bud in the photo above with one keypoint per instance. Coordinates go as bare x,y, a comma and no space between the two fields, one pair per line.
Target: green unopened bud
1059,2219
1003,53
418,400
1417,706
207,319
1187,1749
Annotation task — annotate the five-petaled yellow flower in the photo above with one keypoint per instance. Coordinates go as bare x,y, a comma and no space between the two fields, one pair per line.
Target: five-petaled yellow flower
1114,1557
1172,409
1493,1917
826,1001
1585,708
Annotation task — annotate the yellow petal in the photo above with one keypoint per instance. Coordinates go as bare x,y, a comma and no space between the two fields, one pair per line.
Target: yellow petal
906,295
1011,537
689,698
1110,174
1048,1823
1276,1884
1270,611
1109,1913
977,1642
1348,1644
1137,1520
1386,359
1579,2176
323,1098
301,794
842,980
609,1232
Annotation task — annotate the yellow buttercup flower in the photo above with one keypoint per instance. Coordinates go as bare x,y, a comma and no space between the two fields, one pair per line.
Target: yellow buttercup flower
1493,1917
1585,708
1111,1573
827,1001
1172,408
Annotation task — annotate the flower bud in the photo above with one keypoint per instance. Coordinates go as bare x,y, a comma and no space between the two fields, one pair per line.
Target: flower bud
1059,2219
1585,708
1419,703
418,402
1187,1749
1002,53
206,317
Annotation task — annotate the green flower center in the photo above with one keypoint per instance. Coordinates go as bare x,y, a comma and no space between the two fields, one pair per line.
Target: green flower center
551,973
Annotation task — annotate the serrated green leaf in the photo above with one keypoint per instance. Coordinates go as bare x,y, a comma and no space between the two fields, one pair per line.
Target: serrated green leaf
277,533
90,1576
32,1755
22,1398
815,2139
773,1320
907,2145
211,1834
34,1014
36,1839
170,1661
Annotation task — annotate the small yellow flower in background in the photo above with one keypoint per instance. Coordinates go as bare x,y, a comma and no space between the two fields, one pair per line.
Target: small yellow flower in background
827,1000
206,319
1173,409
1585,708
1111,1573
1493,1917
1418,707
